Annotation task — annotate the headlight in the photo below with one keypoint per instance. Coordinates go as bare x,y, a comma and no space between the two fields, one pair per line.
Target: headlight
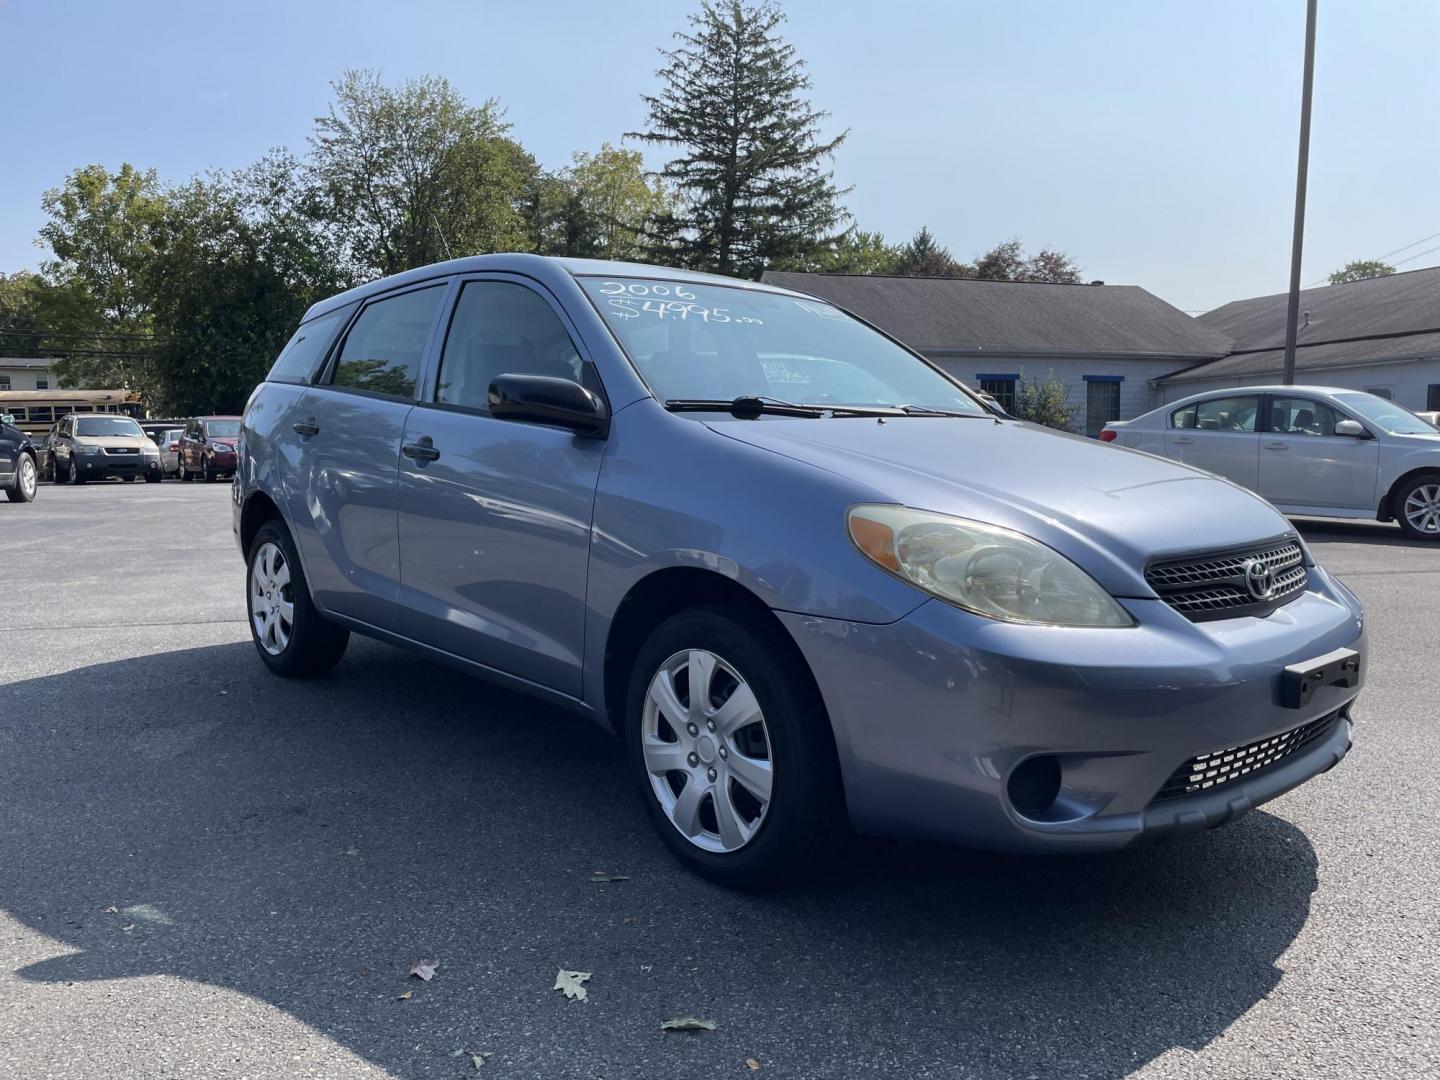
982,568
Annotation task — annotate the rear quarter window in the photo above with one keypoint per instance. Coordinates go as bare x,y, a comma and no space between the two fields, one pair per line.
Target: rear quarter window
306,349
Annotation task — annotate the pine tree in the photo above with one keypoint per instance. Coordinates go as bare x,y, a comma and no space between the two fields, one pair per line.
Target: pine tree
750,171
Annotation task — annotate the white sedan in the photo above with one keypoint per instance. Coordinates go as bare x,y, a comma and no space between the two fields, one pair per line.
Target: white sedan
1312,450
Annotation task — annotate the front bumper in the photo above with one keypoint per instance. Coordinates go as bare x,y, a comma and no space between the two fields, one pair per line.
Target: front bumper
103,466
934,714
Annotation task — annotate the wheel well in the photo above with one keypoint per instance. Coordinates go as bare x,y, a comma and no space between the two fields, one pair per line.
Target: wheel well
1387,504
259,508
654,599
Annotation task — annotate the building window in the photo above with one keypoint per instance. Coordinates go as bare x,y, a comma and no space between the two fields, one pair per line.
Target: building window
1380,391
1001,388
42,382
4,382
1102,402
1432,398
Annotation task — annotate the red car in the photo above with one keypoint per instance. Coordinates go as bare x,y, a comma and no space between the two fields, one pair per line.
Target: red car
207,447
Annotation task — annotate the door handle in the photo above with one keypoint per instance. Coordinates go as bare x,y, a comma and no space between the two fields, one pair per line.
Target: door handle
306,427
1276,446
1183,440
421,451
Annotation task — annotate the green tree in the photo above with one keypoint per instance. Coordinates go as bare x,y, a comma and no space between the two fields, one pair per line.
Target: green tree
20,332
1045,403
238,260
749,170
1008,262
411,175
1360,269
924,256
93,301
616,199
858,252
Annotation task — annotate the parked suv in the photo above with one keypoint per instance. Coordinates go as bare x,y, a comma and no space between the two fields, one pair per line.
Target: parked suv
19,471
95,446
809,579
207,448
1318,451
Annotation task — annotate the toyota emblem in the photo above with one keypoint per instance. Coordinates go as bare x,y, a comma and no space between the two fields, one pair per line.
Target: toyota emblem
1259,579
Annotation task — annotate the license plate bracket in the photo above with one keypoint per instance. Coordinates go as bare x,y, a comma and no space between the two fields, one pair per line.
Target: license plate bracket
1299,681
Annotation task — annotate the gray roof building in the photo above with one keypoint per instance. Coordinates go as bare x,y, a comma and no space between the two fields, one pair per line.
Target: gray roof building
960,316
1379,321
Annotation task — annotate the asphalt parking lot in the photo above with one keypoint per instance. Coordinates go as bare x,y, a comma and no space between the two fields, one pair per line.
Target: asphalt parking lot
208,871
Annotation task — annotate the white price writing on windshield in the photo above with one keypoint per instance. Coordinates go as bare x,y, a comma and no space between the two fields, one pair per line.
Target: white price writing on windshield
625,307
645,288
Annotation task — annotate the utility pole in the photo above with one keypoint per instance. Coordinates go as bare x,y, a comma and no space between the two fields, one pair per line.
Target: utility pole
1302,170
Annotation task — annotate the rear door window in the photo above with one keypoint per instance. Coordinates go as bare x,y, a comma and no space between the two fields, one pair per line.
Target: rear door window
1218,414
381,354
305,351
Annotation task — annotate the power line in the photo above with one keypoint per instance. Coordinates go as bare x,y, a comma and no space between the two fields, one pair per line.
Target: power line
1387,254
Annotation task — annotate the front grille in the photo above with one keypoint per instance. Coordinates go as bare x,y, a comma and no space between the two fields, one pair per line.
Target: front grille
1222,766
120,451
1238,581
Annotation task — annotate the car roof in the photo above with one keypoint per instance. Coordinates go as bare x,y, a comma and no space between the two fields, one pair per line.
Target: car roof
1277,388
544,268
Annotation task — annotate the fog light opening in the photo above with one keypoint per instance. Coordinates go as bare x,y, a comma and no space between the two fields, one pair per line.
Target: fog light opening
1034,785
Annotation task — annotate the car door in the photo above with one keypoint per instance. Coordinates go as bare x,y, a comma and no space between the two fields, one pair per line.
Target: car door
495,514
61,449
9,451
1304,463
1219,435
346,431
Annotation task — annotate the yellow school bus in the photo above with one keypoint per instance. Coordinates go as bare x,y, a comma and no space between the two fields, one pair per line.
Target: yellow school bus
35,410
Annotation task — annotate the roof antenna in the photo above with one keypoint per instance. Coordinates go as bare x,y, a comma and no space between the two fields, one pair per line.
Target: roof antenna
443,242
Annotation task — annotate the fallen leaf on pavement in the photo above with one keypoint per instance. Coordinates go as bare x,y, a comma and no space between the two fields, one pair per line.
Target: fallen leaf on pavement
128,926
406,996
425,969
478,1059
600,877
571,983
111,910
687,1023
752,1064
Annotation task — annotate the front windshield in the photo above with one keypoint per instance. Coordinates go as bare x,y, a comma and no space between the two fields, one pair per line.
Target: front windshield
224,429
1396,419
718,342
106,426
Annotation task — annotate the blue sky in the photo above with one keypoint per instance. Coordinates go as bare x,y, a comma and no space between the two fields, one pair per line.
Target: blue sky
1153,141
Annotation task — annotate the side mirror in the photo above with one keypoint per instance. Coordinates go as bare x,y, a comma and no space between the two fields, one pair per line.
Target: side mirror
1352,428
7,419
549,400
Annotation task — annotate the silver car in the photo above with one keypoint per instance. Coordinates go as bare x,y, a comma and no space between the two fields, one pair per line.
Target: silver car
1319,451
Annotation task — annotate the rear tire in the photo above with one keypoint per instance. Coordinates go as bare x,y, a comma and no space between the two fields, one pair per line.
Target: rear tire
289,633
1417,507
154,477
785,749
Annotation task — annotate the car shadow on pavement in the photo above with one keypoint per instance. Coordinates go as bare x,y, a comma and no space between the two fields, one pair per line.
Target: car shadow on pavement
305,843
1386,534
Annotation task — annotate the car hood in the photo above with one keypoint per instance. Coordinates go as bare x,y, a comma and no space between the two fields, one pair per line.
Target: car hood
1109,508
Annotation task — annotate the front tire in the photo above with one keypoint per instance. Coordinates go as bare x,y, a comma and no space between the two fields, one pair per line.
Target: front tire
289,632
22,489
75,476
1417,507
739,776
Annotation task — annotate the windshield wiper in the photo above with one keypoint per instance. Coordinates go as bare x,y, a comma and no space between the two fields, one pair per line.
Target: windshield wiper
930,410
751,407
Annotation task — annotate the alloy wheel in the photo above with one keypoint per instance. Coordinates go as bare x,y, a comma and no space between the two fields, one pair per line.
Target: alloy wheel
272,607
27,477
707,750
1422,508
